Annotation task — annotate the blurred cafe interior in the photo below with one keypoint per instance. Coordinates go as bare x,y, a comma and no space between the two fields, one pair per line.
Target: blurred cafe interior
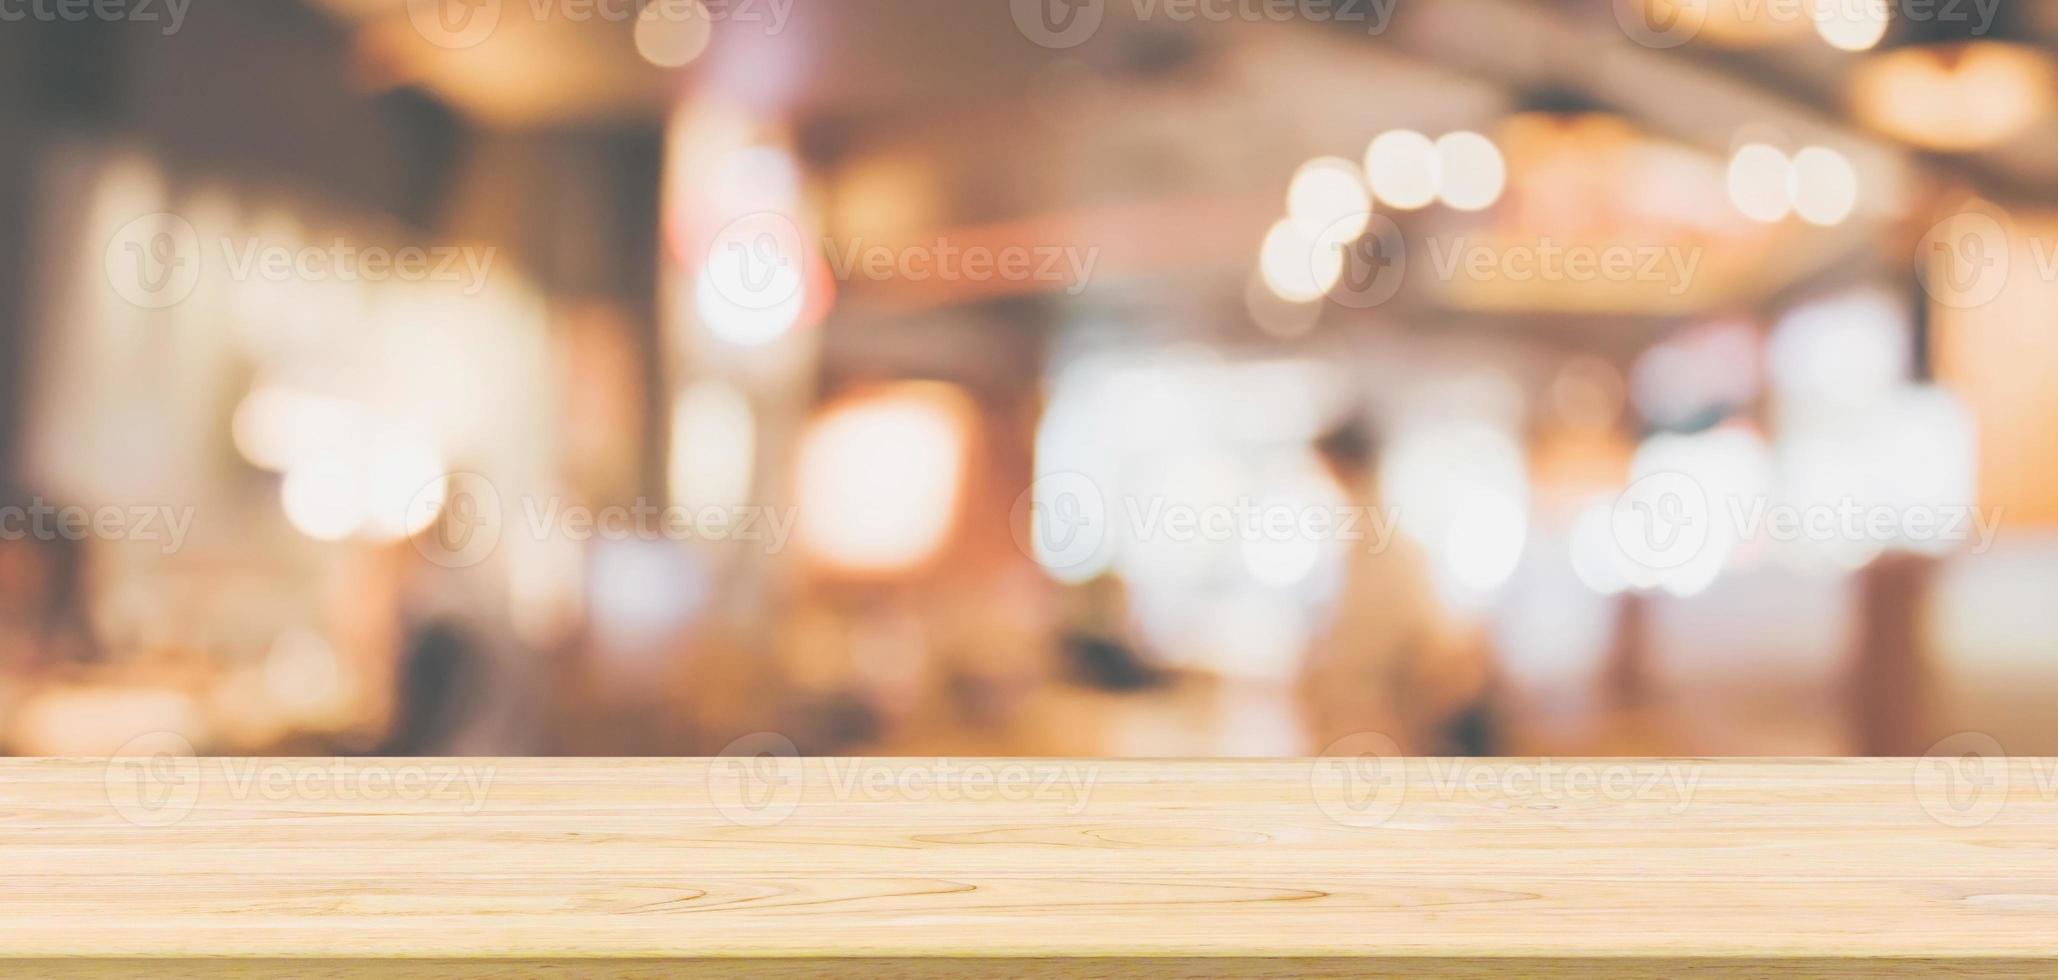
1029,377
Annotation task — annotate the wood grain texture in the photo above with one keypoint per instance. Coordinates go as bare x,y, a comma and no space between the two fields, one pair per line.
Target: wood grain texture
175,866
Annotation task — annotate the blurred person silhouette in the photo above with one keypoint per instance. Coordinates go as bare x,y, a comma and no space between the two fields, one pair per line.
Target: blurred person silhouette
439,662
466,683
43,618
1099,645
1390,660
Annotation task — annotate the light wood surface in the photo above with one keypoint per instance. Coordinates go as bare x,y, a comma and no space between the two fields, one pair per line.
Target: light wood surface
1359,866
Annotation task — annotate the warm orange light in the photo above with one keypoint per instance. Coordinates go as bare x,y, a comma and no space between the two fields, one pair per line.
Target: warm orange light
881,477
1729,23
1958,98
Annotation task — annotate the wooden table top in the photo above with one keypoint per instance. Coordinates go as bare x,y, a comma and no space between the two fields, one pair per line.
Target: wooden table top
1346,866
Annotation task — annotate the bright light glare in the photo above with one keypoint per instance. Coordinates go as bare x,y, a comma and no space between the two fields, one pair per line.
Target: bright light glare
1846,351
1453,485
1276,315
1298,267
405,485
714,440
1760,182
324,498
1732,467
302,674
1472,172
1281,557
880,480
1823,186
1328,198
761,178
1402,166
1486,538
752,289
1592,546
1850,25
275,427
671,33
347,476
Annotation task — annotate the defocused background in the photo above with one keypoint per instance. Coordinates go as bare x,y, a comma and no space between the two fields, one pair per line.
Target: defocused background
1084,377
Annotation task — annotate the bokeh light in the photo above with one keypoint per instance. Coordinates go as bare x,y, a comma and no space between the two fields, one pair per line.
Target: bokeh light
1825,187
1403,168
672,33
714,441
880,478
1471,172
1299,267
1850,25
1327,198
1760,182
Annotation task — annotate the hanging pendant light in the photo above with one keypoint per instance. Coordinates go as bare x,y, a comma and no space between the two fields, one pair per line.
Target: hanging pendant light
1954,83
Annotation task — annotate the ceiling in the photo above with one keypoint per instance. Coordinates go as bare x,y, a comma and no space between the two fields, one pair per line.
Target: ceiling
576,62
1147,116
